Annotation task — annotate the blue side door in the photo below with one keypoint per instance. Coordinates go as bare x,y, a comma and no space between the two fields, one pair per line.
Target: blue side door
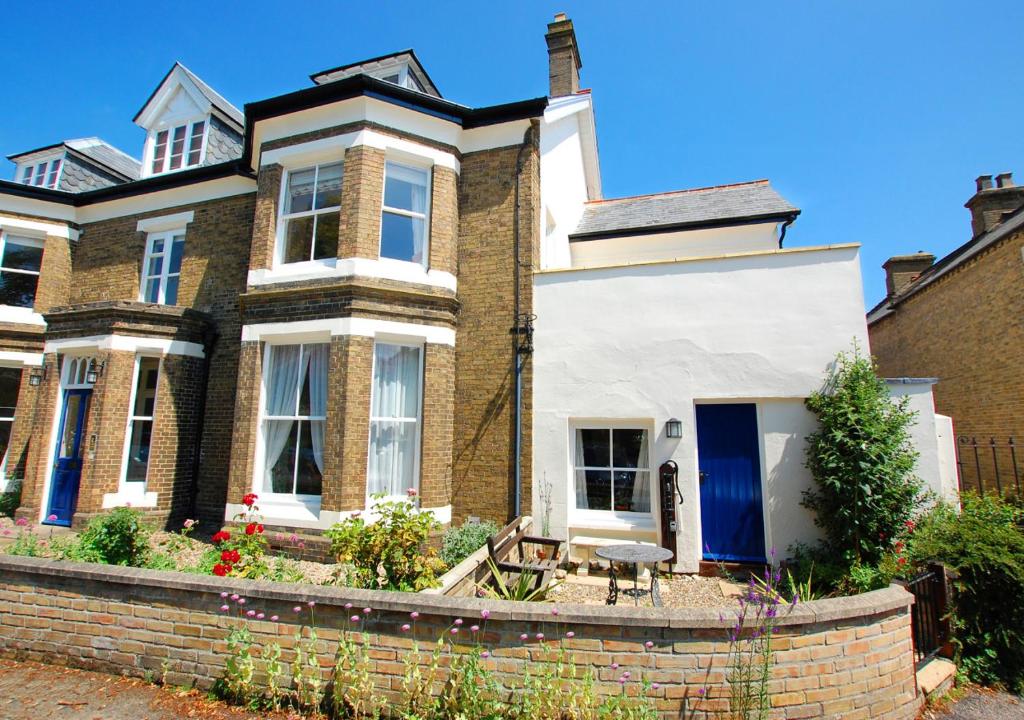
729,461
67,465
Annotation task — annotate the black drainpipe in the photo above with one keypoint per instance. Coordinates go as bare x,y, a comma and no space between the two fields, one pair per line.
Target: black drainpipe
209,344
782,236
522,332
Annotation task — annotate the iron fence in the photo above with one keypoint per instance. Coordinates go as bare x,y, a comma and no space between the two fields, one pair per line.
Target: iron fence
989,466
929,614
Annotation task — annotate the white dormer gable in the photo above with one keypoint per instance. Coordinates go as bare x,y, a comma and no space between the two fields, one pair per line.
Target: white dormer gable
177,120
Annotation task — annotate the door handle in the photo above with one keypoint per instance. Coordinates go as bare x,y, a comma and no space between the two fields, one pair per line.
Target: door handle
702,476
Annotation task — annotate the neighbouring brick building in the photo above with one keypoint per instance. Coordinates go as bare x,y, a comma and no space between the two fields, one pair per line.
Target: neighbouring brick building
959,320
362,288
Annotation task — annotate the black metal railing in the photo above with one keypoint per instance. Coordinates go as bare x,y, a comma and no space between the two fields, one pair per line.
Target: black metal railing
989,466
928,616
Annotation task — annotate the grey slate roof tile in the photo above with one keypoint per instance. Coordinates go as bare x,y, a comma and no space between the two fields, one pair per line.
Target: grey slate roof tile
107,156
700,205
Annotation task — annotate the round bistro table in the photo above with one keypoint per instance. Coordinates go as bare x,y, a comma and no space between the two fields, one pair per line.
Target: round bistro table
634,554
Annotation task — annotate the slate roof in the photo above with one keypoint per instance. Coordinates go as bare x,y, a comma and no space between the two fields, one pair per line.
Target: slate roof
377,66
215,97
719,205
107,156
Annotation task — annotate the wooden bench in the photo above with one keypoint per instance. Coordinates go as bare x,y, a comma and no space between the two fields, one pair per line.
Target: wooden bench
513,537
586,545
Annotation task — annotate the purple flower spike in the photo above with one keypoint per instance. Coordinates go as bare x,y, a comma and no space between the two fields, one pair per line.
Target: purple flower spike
701,692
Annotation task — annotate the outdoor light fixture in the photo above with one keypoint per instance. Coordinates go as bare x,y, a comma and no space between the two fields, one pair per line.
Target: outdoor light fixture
36,377
94,372
674,428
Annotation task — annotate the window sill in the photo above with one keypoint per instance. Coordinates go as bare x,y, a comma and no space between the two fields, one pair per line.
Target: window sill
128,496
607,520
382,268
22,315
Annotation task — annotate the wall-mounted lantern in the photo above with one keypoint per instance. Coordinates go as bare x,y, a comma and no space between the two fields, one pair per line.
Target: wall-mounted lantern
95,372
36,377
674,428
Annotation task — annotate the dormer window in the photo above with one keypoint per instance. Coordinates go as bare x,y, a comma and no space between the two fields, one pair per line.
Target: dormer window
42,174
402,76
178,147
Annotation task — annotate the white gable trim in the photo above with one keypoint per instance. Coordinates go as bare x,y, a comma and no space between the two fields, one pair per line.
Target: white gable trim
155,107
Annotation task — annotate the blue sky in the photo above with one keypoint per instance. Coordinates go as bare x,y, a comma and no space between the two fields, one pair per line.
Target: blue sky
873,117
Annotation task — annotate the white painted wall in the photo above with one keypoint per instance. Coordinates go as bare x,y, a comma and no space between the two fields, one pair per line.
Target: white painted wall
708,242
645,342
932,435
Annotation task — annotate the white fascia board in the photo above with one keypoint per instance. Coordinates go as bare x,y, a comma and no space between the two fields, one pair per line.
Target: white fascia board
489,137
583,106
126,343
165,222
385,269
170,198
321,330
36,228
326,149
39,208
10,358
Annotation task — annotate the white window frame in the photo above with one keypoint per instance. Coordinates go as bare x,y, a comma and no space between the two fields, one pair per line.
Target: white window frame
418,452
132,417
406,78
169,129
311,501
588,517
168,237
415,164
25,240
10,419
53,168
281,231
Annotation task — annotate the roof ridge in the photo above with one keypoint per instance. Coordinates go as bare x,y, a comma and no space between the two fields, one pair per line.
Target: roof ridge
762,181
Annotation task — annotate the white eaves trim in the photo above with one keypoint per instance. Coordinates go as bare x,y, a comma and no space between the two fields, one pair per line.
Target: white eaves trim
165,222
322,330
10,358
34,228
164,199
127,343
308,153
384,269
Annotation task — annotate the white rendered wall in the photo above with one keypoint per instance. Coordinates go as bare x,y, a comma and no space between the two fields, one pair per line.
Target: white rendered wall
708,242
646,342
932,435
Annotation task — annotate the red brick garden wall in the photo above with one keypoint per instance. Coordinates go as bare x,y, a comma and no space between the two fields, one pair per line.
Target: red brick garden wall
847,657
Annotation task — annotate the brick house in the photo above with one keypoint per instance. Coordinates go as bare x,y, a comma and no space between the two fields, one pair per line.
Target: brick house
959,320
361,287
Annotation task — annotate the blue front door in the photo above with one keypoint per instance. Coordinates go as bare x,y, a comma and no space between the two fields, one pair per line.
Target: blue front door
730,483
67,464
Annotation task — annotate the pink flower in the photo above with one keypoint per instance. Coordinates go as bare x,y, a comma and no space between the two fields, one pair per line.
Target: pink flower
297,609
234,597
524,637
21,522
355,618
189,523
411,492
414,615
648,644
348,606
454,631
474,628
251,613
293,538
367,611
485,614
311,603
655,686
570,634
223,594
458,621
406,628
615,666
51,518
622,681
485,654
224,608
540,636
554,611
241,601
273,618
302,545
259,616
701,692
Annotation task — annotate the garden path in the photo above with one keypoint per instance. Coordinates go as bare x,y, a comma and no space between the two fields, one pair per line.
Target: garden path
981,705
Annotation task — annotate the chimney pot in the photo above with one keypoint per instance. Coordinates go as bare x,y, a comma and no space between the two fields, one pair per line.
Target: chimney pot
984,182
561,17
1004,180
990,205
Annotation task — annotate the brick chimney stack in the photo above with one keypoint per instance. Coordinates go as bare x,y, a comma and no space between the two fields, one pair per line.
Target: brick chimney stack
901,270
991,202
563,57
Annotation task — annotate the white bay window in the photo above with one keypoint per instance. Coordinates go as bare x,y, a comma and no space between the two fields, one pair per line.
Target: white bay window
311,213
403,226
294,414
395,411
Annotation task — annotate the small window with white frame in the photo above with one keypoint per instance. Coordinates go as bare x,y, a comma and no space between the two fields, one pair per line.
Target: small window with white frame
404,226
10,384
42,174
395,413
293,419
611,470
141,418
161,267
310,213
21,259
178,147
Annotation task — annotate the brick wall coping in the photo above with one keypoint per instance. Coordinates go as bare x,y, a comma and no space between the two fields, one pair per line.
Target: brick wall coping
817,611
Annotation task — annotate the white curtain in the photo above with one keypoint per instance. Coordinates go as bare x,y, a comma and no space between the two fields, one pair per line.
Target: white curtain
395,414
642,482
415,181
582,502
282,392
318,358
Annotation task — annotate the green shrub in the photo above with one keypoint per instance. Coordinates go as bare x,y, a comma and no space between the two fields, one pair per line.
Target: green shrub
862,462
984,544
10,499
461,542
391,553
117,538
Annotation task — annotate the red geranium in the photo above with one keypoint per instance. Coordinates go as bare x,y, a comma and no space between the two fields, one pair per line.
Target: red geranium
221,570
253,528
221,536
250,499
230,556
